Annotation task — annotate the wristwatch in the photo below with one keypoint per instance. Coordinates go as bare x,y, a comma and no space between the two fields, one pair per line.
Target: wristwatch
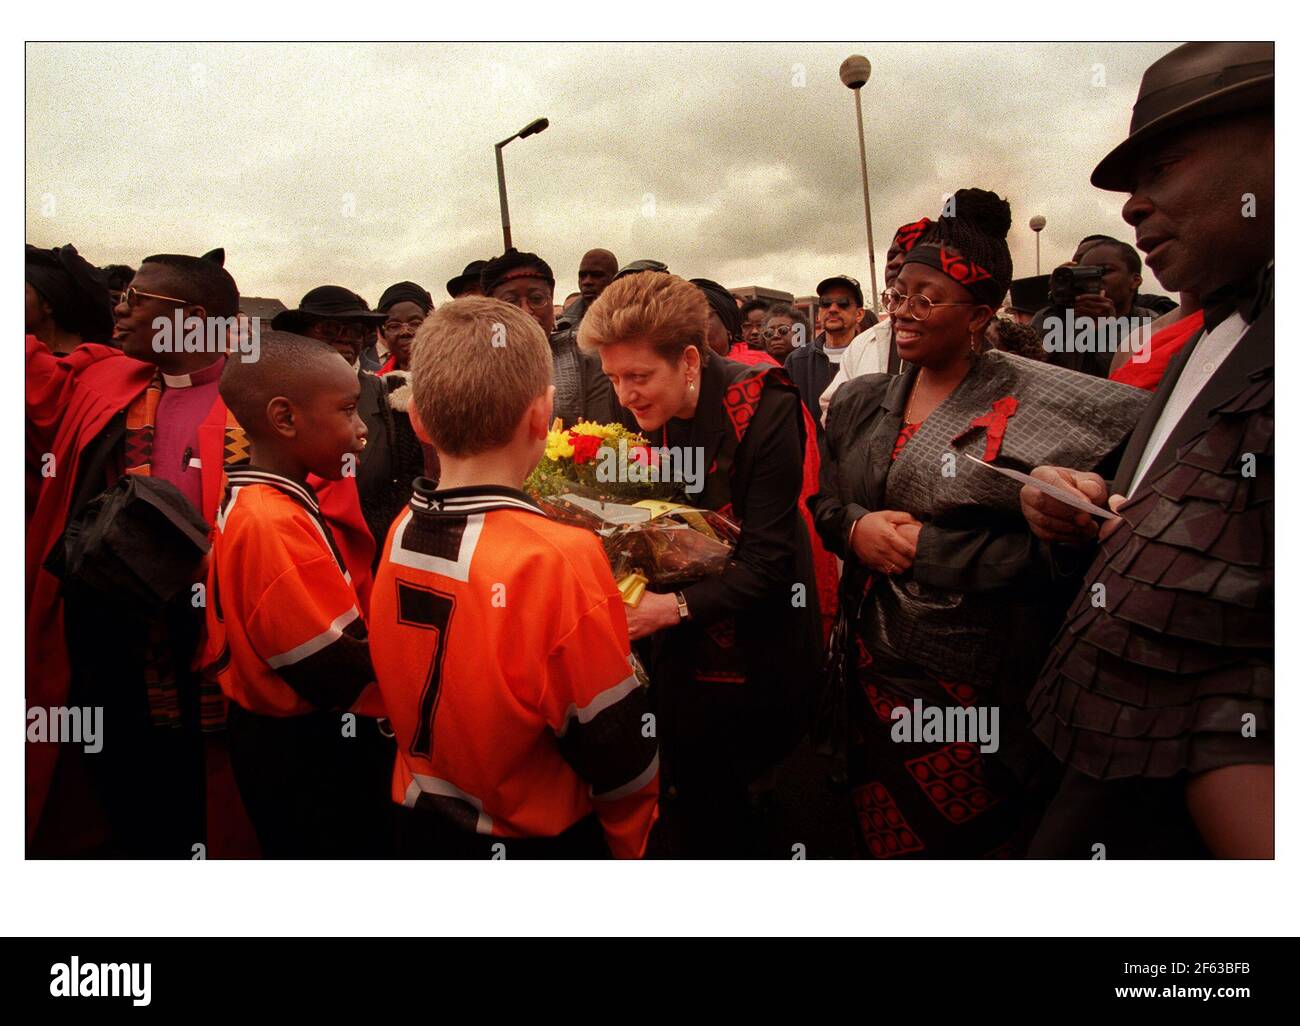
682,610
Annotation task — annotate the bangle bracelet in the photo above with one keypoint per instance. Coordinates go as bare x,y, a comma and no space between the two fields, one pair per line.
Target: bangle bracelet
853,527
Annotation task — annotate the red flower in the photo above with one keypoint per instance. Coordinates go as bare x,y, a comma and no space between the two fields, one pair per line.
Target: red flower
584,447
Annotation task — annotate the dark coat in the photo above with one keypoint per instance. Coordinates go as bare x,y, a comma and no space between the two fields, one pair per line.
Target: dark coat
811,371
1151,685
751,605
582,392
393,457
989,551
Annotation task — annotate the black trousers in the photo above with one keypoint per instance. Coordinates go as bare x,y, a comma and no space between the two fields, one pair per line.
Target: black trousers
424,834
310,791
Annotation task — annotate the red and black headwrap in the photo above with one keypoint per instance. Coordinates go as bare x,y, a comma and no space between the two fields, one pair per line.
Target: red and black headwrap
979,282
910,234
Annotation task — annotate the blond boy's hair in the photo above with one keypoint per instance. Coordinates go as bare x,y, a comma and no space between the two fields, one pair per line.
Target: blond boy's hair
476,365
663,310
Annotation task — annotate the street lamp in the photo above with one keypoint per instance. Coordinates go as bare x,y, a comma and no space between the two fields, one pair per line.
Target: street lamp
532,128
854,73
1037,223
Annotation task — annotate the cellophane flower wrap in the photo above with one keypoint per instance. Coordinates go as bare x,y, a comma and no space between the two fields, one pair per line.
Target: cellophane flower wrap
606,479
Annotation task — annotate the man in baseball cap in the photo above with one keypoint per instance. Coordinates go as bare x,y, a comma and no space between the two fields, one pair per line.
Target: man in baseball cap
812,366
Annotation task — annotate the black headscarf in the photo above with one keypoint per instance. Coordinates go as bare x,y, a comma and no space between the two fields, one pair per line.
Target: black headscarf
723,304
74,290
404,292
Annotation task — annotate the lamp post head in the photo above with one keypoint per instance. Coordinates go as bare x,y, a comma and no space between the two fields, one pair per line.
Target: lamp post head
533,127
1037,223
855,71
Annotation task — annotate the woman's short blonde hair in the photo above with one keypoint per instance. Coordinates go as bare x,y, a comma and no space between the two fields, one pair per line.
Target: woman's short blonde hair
663,310
476,365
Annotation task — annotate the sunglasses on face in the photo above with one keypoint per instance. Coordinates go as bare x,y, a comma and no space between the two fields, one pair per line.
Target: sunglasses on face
131,294
843,304
917,307
781,332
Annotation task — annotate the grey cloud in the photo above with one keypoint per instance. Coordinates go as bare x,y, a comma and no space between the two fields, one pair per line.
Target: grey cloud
366,164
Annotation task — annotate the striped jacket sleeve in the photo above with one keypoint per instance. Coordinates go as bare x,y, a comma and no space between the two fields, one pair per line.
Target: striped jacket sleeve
306,624
601,717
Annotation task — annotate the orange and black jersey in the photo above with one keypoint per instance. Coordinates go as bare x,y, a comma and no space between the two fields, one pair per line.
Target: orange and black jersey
285,632
500,644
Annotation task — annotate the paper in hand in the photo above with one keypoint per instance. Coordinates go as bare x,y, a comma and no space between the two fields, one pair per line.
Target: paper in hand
1060,494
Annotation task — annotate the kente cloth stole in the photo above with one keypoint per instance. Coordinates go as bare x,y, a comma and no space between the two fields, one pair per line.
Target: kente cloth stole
159,664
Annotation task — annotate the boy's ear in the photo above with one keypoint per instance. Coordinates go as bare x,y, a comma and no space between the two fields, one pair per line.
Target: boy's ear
282,417
539,414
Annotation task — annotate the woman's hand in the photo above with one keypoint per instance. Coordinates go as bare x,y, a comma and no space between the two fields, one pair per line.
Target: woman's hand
886,541
653,613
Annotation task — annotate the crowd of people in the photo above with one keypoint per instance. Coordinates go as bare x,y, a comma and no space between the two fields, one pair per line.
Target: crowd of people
311,611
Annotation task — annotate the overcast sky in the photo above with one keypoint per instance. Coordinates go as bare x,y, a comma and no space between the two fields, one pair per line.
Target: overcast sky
366,164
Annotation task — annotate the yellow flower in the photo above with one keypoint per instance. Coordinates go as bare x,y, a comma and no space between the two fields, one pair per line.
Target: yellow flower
558,446
590,427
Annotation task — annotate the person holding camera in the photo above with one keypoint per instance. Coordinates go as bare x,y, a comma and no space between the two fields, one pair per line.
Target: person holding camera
1094,305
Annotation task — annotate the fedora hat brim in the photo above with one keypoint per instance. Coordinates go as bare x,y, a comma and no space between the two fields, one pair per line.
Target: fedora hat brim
298,321
1115,172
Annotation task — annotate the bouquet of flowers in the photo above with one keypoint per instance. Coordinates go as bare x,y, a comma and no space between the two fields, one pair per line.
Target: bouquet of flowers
607,479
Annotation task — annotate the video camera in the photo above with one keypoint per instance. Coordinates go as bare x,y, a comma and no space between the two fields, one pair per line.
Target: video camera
1069,282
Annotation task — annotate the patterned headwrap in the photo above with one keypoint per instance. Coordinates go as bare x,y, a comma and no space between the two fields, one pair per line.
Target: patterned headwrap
910,234
980,283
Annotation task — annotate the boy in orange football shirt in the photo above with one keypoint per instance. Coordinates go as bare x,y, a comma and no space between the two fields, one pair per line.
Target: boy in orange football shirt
286,635
498,636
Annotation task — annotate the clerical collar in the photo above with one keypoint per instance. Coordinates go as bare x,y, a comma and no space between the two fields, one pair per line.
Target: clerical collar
203,376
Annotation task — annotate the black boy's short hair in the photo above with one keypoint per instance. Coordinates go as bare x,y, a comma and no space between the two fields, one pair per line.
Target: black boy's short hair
281,368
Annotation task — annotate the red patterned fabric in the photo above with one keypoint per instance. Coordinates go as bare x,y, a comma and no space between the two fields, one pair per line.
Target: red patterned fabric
884,829
995,424
904,436
740,401
960,269
910,234
953,779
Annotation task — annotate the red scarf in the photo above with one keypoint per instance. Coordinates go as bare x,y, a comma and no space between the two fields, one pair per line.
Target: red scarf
1165,345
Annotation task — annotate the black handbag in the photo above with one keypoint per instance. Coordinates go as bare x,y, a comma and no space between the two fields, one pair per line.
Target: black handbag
139,545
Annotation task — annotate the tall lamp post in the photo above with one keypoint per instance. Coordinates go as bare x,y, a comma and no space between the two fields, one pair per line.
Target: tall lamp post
532,128
854,73
1037,223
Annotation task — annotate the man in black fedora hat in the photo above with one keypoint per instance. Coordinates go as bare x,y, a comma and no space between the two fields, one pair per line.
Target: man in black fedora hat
1028,296
467,283
1158,694
525,280
335,315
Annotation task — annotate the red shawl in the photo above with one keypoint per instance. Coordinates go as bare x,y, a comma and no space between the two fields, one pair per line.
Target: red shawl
1165,345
